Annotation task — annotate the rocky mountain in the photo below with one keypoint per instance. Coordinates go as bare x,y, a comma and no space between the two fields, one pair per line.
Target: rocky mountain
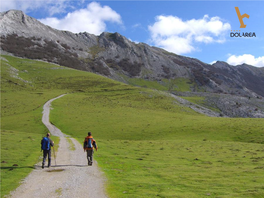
116,57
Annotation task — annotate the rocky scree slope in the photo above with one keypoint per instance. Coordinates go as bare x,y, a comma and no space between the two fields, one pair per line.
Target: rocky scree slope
116,57
228,105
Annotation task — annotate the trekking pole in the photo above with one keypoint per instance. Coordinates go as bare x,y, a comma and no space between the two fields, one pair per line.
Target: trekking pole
54,156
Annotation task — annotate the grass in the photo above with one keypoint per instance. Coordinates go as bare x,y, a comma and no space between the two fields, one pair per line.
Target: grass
197,99
94,50
20,150
25,86
178,84
14,164
146,83
148,150
148,145
182,168
58,191
201,101
71,144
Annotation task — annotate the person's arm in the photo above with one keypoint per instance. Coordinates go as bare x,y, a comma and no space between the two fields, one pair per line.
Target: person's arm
51,142
95,145
84,145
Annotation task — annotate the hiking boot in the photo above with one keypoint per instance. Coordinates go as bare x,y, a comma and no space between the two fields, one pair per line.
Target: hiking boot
42,166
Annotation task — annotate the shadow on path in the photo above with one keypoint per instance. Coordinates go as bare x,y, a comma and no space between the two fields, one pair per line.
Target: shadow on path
15,167
54,166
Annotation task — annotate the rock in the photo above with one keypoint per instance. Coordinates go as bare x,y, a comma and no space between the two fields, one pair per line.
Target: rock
113,55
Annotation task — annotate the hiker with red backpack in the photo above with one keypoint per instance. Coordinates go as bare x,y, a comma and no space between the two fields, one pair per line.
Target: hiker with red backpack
88,145
46,144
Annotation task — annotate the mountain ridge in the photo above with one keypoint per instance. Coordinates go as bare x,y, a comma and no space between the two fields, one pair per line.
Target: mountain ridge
114,56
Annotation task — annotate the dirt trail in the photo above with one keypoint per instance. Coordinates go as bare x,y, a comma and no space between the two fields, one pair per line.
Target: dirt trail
70,178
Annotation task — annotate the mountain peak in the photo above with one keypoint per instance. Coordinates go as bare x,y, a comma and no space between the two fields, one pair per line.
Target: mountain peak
17,22
221,64
115,56
12,13
17,16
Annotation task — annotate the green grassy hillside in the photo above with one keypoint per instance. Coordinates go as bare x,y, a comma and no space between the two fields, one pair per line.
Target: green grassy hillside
178,84
148,149
149,146
25,86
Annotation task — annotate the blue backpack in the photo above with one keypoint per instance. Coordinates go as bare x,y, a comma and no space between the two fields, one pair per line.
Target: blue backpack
45,144
90,144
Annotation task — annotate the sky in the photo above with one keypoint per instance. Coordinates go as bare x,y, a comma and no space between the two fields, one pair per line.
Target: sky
206,30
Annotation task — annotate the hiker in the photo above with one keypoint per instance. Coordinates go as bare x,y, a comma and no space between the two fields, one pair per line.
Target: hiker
88,145
46,144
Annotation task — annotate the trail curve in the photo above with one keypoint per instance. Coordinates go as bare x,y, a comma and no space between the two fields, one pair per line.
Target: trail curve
70,178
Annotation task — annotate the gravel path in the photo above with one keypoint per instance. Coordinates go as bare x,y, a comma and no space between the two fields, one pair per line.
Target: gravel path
71,177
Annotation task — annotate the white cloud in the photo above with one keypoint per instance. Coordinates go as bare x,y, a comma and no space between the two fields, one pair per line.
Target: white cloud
92,19
246,58
51,6
137,42
213,62
178,36
136,25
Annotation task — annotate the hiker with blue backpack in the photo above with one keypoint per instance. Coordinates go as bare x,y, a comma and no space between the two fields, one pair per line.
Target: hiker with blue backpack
88,145
46,144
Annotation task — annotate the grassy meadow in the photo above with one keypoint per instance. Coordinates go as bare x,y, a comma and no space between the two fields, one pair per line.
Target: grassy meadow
149,145
25,87
180,84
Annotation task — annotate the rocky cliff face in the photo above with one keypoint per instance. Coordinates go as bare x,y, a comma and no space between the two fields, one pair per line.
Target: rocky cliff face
114,56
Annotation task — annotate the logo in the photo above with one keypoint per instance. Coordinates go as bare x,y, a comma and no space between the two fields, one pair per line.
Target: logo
242,25
237,33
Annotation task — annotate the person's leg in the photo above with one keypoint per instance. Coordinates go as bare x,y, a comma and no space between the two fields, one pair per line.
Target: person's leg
88,156
91,157
49,157
44,158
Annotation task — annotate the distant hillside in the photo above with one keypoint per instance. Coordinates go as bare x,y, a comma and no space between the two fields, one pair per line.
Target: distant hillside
116,57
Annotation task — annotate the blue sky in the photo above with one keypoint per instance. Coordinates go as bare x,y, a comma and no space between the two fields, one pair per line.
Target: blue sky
198,29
